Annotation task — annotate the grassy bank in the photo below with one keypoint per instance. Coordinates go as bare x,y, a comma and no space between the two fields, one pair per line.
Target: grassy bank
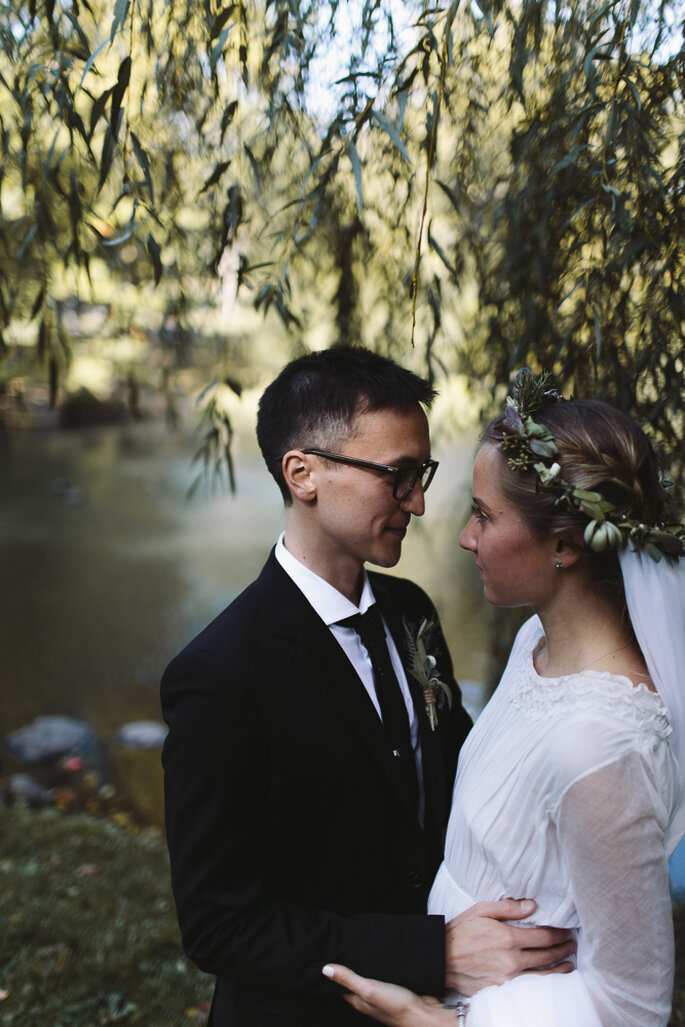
89,935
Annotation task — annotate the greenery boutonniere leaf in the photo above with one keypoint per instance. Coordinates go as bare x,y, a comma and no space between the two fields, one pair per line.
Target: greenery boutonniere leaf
422,665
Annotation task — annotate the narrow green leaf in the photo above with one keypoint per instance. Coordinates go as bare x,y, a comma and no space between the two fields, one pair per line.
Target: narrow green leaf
636,94
402,97
27,241
451,195
155,256
357,172
120,13
91,61
75,209
570,158
227,117
220,20
217,51
588,67
391,131
38,303
118,92
106,157
215,176
97,110
434,245
144,163
254,165
312,168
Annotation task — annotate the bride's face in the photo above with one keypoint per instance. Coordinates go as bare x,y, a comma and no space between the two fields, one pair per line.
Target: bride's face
516,565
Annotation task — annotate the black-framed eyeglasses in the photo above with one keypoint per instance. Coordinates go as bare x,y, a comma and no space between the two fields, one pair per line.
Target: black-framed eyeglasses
405,478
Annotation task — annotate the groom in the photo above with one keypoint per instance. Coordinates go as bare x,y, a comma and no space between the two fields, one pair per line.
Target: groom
306,793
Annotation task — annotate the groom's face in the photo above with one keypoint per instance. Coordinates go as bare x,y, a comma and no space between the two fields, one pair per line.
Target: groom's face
358,519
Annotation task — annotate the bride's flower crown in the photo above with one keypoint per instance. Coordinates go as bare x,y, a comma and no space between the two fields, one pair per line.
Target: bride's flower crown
531,446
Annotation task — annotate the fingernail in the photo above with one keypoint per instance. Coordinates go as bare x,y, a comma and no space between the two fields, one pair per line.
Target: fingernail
328,971
527,906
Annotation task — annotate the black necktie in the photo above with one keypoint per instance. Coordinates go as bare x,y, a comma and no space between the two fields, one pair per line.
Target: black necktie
369,627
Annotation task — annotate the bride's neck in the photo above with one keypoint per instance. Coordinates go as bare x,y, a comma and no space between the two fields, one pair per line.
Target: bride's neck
588,632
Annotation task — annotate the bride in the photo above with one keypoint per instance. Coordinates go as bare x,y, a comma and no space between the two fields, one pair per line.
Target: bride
570,786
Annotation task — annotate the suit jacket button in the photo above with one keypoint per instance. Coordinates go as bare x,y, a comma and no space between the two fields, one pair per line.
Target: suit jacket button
414,879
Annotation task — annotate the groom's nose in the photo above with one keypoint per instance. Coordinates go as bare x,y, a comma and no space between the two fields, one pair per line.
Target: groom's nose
414,503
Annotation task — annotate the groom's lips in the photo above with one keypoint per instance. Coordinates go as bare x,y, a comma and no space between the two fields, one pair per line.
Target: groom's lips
399,530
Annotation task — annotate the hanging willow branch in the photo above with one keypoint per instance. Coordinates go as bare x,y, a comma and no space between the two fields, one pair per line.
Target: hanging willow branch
430,156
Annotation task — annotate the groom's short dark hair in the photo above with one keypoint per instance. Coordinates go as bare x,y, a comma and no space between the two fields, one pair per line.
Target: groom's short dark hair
314,401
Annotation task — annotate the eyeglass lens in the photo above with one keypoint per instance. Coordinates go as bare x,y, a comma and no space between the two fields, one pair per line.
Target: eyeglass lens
406,479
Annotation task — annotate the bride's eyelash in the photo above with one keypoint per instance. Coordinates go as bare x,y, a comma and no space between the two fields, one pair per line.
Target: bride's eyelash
478,513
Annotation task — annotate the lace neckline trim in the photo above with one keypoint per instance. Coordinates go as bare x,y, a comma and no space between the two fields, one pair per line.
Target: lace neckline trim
536,696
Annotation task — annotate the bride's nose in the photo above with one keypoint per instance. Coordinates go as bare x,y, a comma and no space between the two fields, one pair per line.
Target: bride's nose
467,539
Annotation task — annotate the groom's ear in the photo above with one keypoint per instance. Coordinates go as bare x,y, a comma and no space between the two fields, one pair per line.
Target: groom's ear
297,471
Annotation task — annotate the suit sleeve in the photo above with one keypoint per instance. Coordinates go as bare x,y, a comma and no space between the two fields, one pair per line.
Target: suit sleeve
216,765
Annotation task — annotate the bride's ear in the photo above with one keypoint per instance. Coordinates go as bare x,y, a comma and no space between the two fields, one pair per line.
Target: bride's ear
297,471
569,550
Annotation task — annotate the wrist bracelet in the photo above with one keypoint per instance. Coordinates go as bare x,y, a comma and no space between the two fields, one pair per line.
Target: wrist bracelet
461,1009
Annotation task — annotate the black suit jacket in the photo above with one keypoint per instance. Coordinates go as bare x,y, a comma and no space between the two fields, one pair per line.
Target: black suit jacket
290,841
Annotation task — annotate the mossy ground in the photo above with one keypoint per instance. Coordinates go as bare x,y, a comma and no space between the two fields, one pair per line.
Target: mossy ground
89,934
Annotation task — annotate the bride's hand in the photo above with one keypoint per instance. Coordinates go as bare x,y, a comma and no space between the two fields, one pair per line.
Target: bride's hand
389,1003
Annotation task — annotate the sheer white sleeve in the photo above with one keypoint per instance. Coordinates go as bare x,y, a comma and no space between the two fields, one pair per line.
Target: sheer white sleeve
611,825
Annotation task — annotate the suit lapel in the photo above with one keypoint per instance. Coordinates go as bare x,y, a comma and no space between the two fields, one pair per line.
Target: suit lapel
431,747
320,664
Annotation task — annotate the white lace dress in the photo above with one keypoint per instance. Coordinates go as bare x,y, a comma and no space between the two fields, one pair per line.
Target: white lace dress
563,794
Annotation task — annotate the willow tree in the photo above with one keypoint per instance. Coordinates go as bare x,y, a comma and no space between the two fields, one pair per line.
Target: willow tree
470,187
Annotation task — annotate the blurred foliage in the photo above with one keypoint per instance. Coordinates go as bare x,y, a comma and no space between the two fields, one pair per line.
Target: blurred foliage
89,931
468,187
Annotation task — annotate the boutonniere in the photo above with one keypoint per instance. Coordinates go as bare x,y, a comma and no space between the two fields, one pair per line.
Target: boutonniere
422,666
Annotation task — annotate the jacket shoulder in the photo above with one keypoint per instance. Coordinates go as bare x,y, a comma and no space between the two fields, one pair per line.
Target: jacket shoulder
402,591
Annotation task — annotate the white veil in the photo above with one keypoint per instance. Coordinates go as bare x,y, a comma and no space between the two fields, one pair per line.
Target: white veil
655,595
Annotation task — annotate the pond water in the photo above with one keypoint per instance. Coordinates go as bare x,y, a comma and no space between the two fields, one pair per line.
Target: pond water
107,570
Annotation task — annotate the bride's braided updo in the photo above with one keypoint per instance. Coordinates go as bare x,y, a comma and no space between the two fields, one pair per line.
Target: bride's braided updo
600,449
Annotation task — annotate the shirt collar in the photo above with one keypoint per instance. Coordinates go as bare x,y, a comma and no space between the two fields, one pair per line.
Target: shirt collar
330,604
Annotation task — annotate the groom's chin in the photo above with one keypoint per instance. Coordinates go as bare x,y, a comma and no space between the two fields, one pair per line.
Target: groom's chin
389,558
